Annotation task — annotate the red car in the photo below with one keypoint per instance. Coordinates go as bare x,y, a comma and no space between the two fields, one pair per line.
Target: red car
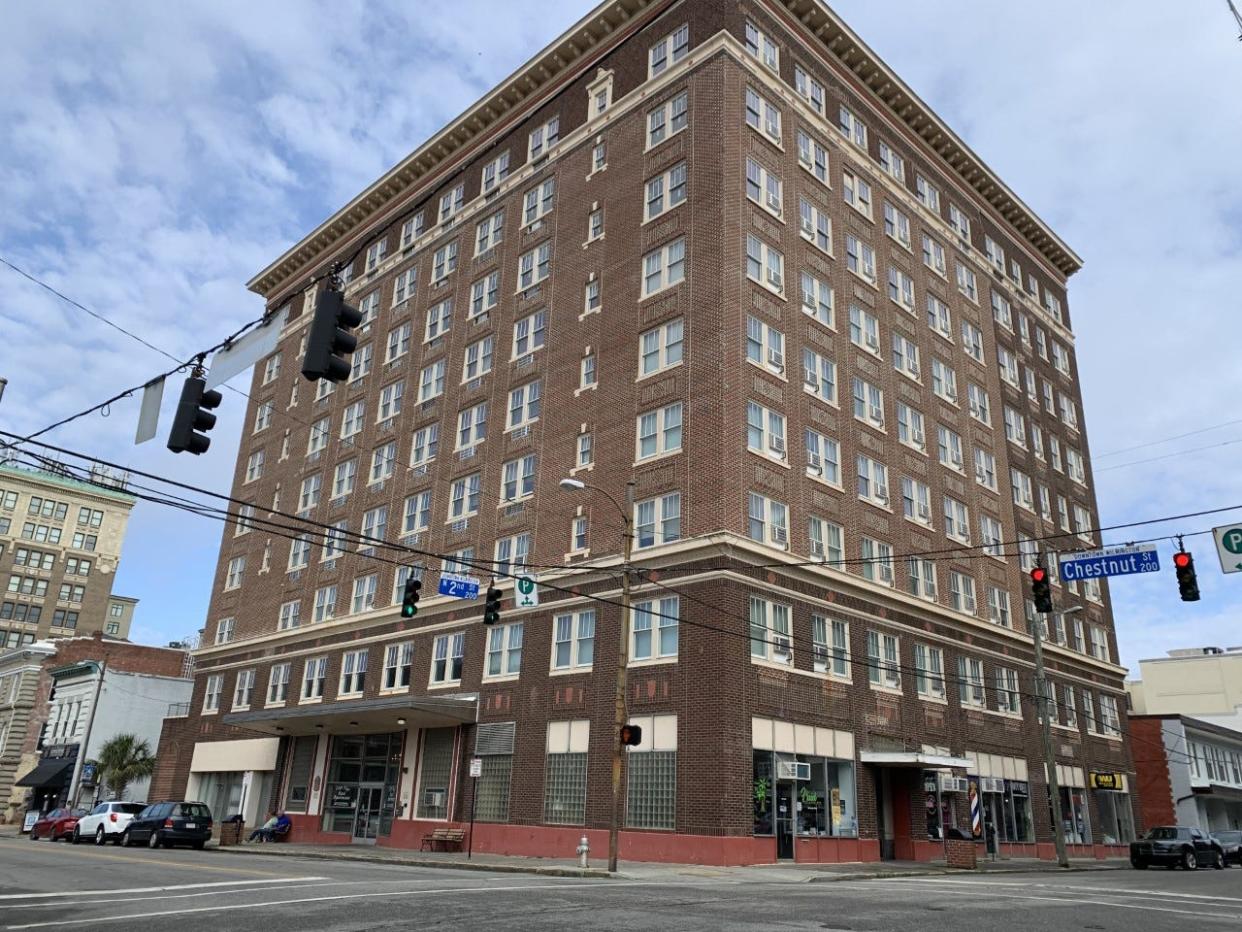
58,823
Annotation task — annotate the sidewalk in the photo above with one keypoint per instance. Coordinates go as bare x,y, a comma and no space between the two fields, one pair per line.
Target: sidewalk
635,870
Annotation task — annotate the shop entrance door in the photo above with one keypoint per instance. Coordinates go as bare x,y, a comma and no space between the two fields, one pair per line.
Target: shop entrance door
367,817
785,816
884,813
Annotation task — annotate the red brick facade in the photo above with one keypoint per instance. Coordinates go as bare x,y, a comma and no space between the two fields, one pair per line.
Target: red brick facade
1151,762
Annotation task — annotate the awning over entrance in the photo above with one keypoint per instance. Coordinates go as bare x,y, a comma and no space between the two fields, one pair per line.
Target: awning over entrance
362,716
919,759
1215,790
48,773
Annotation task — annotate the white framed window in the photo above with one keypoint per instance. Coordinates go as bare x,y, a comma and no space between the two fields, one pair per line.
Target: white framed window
490,231
765,264
595,225
417,513
1020,484
360,363
592,299
1069,410
980,403
1015,427
448,652
664,267
826,540
884,660
995,253
927,193
390,401
525,404
657,520
494,172
1061,359
278,684
911,427
308,497
967,282
962,592
375,254
398,342
444,262
956,520
464,496
579,541
658,432
212,693
761,46
1007,697
933,256
868,403
928,672
653,628
864,330
585,448
992,536
383,462
314,675
517,479
374,526
484,295
860,258
236,571
1002,310
939,317
944,381
431,381
906,356
901,288
471,426
872,481
665,191
530,333
668,119
823,458
998,607
831,646
851,127
477,361
534,266
970,686
542,138
762,115
949,449
763,187
271,369
334,540
369,308
661,347
813,155
922,578
959,221
504,651
818,300
819,376
263,416
344,477
424,446
765,432
857,192
451,203
1007,362
765,345
892,163
398,663
771,634
668,51
896,225
224,630
972,341
814,226
317,439
254,465
811,90
985,469
573,641
916,501
412,229
512,553
1074,465
353,420
364,593
537,202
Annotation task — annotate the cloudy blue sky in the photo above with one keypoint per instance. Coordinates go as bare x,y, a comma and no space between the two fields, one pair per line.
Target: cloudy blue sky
157,155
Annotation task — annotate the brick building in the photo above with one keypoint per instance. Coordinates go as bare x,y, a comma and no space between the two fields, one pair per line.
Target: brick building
719,250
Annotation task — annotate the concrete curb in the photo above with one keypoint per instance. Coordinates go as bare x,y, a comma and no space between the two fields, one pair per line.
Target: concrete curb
959,872
590,872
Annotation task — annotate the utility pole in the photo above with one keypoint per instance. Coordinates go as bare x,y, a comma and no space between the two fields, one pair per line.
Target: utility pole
1050,760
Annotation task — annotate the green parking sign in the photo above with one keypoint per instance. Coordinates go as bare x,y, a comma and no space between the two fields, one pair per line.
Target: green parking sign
526,592
1229,547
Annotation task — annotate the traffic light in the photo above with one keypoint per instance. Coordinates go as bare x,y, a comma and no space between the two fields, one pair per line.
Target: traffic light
491,610
1187,582
1041,590
631,736
409,600
194,415
329,342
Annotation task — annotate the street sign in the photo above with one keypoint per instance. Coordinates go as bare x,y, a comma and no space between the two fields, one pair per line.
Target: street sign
1229,547
459,587
526,593
1110,561
476,766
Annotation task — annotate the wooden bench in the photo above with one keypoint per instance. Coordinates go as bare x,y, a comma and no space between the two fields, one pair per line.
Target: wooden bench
444,837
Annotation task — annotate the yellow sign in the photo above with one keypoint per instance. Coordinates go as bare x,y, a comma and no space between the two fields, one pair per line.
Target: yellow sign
1105,780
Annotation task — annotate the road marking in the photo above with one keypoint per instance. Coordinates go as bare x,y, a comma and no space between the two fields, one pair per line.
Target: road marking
1071,887
223,892
136,859
161,889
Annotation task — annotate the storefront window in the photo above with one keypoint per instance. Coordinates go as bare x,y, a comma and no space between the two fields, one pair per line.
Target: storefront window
1074,815
823,803
222,792
362,768
1116,817
764,795
1017,825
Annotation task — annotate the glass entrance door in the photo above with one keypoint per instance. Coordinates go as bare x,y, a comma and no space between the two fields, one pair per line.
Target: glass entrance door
784,820
367,816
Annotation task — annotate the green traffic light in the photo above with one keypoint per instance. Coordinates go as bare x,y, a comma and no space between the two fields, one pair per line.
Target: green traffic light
409,611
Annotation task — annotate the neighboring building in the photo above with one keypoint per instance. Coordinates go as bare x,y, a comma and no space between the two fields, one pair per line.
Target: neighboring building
723,252
60,542
1189,771
1205,682
120,616
60,701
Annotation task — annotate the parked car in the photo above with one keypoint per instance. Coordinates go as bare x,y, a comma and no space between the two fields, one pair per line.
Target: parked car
1231,844
106,822
58,823
168,824
1172,845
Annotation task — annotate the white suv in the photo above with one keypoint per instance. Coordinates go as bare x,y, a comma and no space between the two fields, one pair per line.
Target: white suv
106,822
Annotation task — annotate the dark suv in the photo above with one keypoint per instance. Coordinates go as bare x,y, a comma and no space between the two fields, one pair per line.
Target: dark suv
169,824
1171,845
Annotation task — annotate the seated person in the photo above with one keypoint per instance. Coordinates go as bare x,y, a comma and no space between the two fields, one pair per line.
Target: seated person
266,831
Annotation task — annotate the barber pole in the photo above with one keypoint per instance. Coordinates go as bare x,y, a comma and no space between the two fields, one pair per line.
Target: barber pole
976,810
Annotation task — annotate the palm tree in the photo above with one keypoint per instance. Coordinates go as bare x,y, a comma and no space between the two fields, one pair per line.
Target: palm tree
122,760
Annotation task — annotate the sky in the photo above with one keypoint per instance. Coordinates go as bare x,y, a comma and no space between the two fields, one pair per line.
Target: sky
156,156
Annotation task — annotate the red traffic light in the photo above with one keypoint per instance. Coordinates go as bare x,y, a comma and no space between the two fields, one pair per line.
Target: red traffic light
1039,574
1181,559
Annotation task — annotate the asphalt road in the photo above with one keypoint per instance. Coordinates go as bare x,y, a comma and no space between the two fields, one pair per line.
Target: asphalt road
45,886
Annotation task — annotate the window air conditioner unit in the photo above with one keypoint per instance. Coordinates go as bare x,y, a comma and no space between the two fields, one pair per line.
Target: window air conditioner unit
792,770
951,784
873,343
780,537
776,359
915,370
918,437
924,512
991,785
815,464
782,647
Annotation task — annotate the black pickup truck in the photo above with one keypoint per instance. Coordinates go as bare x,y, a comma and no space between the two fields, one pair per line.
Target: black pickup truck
1171,845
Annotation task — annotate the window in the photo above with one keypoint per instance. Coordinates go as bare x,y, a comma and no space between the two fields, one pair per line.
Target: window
823,458
314,673
763,116
901,288
813,155
224,630
398,342
573,643
1015,427
243,689
1099,643
278,684
956,520
417,513
375,254
374,525
595,224
254,465
762,47
980,404
884,660
666,191
959,221
817,300
263,416
390,401
412,229
271,369
478,359
653,628
352,420
364,593
765,345
517,479
972,341
933,256
967,282
530,333
534,266
592,300
985,469
864,330
494,172
998,607
664,267
236,570
334,540
439,320
658,520
815,226
857,192
1007,699
852,127
970,689
995,253
464,497
504,651
868,403
771,637
1008,364
877,559
1074,465
431,381
668,119
922,578
1060,359
826,540
916,500
290,615
860,258
1020,484
661,347
524,404
585,451
767,520
892,163
578,535
668,51
537,203
1002,311
962,592
472,426
810,89
819,376
1112,726
659,432
448,652
398,661
212,692
543,138
343,478
383,462
762,186
944,381
872,481
1069,410
451,203
764,264
929,672
992,536
910,430
444,263
565,779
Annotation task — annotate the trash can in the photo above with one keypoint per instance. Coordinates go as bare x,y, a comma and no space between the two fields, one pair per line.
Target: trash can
232,831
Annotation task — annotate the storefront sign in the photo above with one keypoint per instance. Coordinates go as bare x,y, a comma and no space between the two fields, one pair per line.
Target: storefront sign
344,797
836,806
1103,780
32,816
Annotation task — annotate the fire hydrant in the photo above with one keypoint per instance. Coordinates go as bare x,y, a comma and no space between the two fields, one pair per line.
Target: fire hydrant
584,850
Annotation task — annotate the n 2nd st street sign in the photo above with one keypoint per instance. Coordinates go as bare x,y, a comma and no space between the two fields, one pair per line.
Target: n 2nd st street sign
459,587
1111,561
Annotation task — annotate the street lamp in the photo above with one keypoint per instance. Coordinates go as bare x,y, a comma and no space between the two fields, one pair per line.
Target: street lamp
623,650
1050,761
